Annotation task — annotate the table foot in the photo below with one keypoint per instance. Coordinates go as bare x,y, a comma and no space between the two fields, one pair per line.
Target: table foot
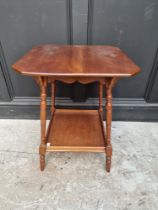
108,164
42,162
42,151
108,157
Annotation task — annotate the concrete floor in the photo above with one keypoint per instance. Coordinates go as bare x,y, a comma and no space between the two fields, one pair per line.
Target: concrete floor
78,181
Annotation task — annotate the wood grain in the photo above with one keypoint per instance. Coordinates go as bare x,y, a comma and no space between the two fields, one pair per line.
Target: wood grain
76,60
76,130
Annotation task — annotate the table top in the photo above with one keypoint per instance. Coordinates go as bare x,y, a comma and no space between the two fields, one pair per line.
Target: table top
76,60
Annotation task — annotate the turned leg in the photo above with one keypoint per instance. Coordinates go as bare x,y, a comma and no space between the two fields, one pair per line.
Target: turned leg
109,83
53,90
43,106
100,98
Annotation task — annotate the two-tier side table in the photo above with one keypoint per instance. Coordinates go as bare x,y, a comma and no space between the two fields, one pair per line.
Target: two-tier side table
73,129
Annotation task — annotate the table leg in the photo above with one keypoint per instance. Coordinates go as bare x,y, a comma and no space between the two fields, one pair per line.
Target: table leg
53,88
100,98
43,106
109,83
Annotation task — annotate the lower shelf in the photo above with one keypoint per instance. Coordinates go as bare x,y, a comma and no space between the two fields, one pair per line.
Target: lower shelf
76,130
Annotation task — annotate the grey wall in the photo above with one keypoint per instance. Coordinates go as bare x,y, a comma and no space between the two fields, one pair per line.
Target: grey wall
130,25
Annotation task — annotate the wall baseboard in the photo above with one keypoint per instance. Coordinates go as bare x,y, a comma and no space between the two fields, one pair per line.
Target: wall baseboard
123,109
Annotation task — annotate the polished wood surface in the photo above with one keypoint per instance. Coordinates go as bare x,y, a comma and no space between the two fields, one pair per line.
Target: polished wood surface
76,130
76,60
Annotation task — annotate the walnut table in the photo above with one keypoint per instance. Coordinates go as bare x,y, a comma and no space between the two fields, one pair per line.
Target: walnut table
76,130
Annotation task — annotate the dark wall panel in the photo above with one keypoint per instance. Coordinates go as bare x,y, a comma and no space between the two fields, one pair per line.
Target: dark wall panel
79,21
6,91
132,26
152,87
25,24
4,95
154,93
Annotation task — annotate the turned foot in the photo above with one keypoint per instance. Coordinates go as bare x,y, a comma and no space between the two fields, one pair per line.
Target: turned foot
108,164
42,162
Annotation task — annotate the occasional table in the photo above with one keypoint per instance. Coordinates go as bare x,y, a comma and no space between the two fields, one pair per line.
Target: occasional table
73,129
